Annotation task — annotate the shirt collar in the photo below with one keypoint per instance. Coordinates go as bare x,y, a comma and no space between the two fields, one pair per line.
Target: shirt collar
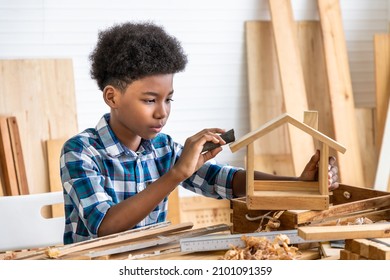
112,144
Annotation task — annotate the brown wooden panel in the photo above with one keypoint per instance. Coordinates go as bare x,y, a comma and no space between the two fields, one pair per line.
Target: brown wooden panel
340,89
40,94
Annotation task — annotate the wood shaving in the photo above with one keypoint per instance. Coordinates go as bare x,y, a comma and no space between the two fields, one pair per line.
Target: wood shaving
261,248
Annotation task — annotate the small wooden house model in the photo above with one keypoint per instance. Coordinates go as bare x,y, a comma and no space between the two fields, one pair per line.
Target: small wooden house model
287,195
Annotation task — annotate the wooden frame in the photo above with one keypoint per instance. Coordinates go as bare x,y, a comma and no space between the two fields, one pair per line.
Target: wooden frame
282,195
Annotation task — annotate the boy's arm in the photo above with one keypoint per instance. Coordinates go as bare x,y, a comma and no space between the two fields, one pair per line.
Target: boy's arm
132,210
128,213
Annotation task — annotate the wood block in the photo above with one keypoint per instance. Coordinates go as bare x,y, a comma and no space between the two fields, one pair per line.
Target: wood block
379,249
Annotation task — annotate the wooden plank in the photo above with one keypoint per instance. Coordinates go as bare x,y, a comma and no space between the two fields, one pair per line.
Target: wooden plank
250,172
273,152
40,94
345,232
382,83
291,186
174,207
382,179
115,238
7,160
162,239
323,169
16,145
54,147
291,76
287,200
340,87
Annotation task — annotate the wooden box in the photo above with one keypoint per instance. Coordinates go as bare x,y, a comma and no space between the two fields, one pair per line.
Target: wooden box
347,204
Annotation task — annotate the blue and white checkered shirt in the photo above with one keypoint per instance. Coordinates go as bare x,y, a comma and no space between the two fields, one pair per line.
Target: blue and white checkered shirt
97,171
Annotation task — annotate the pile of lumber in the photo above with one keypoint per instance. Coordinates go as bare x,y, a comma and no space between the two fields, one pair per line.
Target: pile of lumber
366,249
155,240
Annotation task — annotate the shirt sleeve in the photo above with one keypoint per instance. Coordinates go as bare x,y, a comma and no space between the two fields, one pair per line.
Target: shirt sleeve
84,185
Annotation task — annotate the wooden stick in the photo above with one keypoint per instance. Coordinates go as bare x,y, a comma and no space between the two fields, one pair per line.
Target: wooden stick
344,232
17,151
6,159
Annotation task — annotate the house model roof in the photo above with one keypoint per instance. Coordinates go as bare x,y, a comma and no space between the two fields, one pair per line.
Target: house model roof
283,119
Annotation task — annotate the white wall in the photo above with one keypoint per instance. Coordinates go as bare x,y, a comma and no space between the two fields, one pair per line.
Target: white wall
212,92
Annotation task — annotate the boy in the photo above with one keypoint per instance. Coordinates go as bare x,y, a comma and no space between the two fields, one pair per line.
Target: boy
118,175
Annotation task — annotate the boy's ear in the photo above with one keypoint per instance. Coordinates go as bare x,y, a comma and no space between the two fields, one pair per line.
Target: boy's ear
111,96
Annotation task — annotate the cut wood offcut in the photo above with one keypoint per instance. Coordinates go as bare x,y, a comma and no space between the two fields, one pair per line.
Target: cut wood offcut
283,195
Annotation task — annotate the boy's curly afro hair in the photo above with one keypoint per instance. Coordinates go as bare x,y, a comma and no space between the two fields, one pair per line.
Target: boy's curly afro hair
131,51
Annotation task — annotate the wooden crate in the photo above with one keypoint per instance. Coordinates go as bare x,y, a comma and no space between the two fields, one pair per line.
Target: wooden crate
204,211
347,204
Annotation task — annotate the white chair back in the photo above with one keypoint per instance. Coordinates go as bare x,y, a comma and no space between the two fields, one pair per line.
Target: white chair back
22,223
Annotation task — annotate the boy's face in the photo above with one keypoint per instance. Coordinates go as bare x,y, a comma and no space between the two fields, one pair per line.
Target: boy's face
143,109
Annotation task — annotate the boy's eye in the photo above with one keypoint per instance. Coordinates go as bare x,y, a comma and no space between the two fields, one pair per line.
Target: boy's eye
149,100
169,100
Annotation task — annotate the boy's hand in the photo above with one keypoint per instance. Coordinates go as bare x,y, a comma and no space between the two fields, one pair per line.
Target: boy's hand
192,157
310,173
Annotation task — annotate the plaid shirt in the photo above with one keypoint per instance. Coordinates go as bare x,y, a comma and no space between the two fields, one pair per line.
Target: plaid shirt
97,172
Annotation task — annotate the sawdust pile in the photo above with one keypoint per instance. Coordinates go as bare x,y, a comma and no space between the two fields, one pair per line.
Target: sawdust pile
261,248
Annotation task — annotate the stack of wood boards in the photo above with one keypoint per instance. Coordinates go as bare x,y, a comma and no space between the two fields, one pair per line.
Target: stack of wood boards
157,239
348,203
13,179
370,249
295,66
40,94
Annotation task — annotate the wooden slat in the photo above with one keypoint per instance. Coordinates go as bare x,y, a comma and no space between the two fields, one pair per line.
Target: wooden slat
382,83
272,200
54,147
162,239
340,88
344,232
115,239
291,186
7,160
250,172
291,76
382,179
16,144
273,152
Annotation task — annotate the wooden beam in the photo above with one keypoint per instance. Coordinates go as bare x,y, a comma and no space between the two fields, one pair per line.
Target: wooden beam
344,232
291,186
7,160
382,83
340,88
283,119
17,152
382,179
54,147
291,76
